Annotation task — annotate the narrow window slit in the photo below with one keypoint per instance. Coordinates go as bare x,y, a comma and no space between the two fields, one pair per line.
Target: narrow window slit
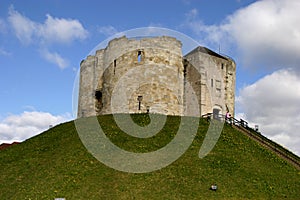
115,64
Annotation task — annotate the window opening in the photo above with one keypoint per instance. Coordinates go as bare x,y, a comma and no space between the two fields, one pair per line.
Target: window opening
98,97
115,64
212,82
139,56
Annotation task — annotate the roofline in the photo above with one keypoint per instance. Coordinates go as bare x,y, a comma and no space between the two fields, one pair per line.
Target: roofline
209,52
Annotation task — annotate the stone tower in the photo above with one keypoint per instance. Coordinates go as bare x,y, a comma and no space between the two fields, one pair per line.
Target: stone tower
212,77
151,75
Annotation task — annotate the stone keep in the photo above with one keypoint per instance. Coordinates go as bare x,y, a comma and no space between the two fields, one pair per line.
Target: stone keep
151,75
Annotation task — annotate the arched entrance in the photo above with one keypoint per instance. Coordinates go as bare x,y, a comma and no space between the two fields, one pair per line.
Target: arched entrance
217,112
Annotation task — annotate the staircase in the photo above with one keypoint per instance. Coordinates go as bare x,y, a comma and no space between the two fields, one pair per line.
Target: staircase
282,152
242,126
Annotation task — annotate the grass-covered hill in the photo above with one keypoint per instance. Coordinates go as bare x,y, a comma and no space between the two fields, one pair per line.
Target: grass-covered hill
56,164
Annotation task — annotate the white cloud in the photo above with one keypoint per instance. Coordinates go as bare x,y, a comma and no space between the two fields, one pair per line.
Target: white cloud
28,124
58,30
62,30
107,30
52,31
268,30
273,103
265,32
265,35
207,34
23,27
55,58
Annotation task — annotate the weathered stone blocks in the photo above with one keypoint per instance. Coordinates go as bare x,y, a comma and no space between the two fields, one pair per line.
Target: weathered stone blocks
151,75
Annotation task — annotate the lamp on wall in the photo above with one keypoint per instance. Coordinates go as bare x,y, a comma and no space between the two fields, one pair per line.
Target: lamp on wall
140,98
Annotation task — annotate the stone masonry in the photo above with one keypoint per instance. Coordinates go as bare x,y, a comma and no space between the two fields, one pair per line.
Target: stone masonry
151,75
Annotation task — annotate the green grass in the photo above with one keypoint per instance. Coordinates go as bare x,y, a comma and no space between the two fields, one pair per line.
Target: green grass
274,144
56,164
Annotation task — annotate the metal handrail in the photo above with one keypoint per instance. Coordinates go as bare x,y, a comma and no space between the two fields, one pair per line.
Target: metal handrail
231,120
242,125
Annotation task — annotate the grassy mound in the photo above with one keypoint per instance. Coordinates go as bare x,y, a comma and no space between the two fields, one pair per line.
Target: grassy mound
56,164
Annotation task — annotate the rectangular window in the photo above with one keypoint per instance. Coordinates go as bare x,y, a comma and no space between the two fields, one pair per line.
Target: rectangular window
218,84
115,64
139,56
212,82
218,92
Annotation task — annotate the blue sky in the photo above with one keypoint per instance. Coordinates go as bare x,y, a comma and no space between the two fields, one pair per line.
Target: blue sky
43,42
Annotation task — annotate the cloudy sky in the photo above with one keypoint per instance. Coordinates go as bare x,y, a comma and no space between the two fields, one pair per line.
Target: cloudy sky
43,42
